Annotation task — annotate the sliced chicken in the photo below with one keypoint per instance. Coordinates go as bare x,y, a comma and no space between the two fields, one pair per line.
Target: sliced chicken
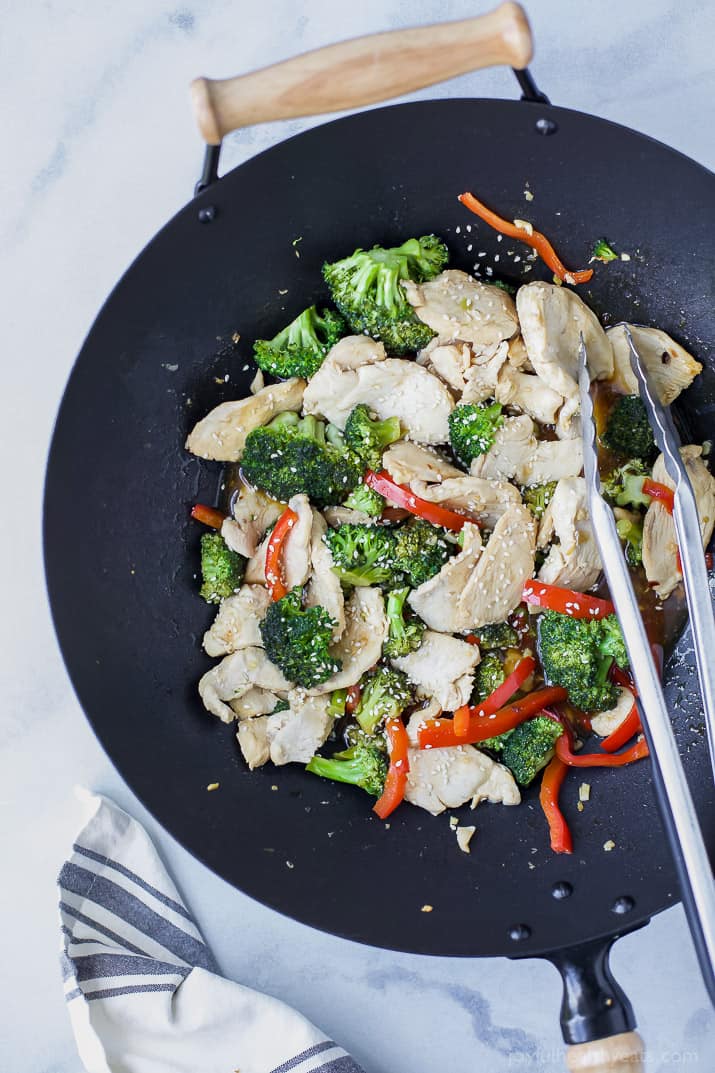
483,375
481,499
497,581
518,356
234,676
296,547
439,779
442,668
253,512
221,435
659,542
517,455
449,361
360,646
457,306
290,736
255,573
671,367
407,462
604,723
573,561
324,588
391,387
255,702
529,393
237,621
337,516
437,601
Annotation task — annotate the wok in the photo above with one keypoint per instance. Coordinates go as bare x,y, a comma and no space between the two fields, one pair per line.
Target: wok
163,351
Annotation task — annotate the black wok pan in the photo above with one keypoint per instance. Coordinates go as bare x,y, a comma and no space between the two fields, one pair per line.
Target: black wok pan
121,554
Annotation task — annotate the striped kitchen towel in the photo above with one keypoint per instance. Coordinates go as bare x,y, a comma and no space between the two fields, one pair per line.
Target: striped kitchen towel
142,988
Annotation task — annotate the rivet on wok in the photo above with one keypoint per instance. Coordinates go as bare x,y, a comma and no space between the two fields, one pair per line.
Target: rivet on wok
623,905
519,932
207,214
561,890
546,126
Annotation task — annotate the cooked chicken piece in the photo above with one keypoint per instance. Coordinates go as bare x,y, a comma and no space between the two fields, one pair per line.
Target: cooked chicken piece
234,676
517,455
659,542
255,573
296,546
518,356
337,516
291,736
481,499
604,723
258,382
442,667
449,361
352,351
255,702
457,306
669,364
496,583
483,375
407,462
573,561
324,588
552,319
237,620
391,387
221,435
437,601
253,512
529,393
439,779
360,646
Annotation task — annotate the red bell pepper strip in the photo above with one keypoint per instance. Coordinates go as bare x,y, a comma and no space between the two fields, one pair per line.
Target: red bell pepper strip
628,756
630,726
353,698
208,516
274,554
495,700
661,492
553,777
404,497
396,780
566,601
536,240
439,733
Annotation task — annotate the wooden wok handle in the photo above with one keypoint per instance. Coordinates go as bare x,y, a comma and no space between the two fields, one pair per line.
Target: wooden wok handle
362,71
616,1054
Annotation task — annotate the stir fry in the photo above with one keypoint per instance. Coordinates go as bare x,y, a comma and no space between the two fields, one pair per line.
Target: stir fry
409,591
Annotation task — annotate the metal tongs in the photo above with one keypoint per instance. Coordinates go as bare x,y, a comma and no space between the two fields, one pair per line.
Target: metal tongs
676,804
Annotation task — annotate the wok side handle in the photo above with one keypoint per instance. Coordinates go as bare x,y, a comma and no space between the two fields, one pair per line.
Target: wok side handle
597,1019
362,71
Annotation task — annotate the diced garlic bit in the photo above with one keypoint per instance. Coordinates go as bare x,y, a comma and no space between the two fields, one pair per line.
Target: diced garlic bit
528,195
608,846
453,822
584,791
579,806
428,908
213,786
625,256
464,837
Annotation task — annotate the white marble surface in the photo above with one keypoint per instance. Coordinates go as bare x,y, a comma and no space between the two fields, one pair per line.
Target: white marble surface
99,150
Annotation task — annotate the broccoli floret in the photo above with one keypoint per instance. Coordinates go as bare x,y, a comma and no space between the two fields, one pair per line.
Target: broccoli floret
362,554
363,764
577,654
300,348
367,437
603,251
538,497
472,428
385,693
630,531
628,431
336,704
366,289
488,675
529,748
420,551
367,500
500,635
290,456
221,568
298,640
624,486
281,706
403,637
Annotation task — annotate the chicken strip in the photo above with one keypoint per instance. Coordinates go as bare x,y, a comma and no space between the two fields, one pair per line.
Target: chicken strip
360,645
494,587
253,512
516,454
670,366
290,736
324,588
237,621
457,306
437,601
407,462
221,435
484,500
234,676
573,561
442,668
